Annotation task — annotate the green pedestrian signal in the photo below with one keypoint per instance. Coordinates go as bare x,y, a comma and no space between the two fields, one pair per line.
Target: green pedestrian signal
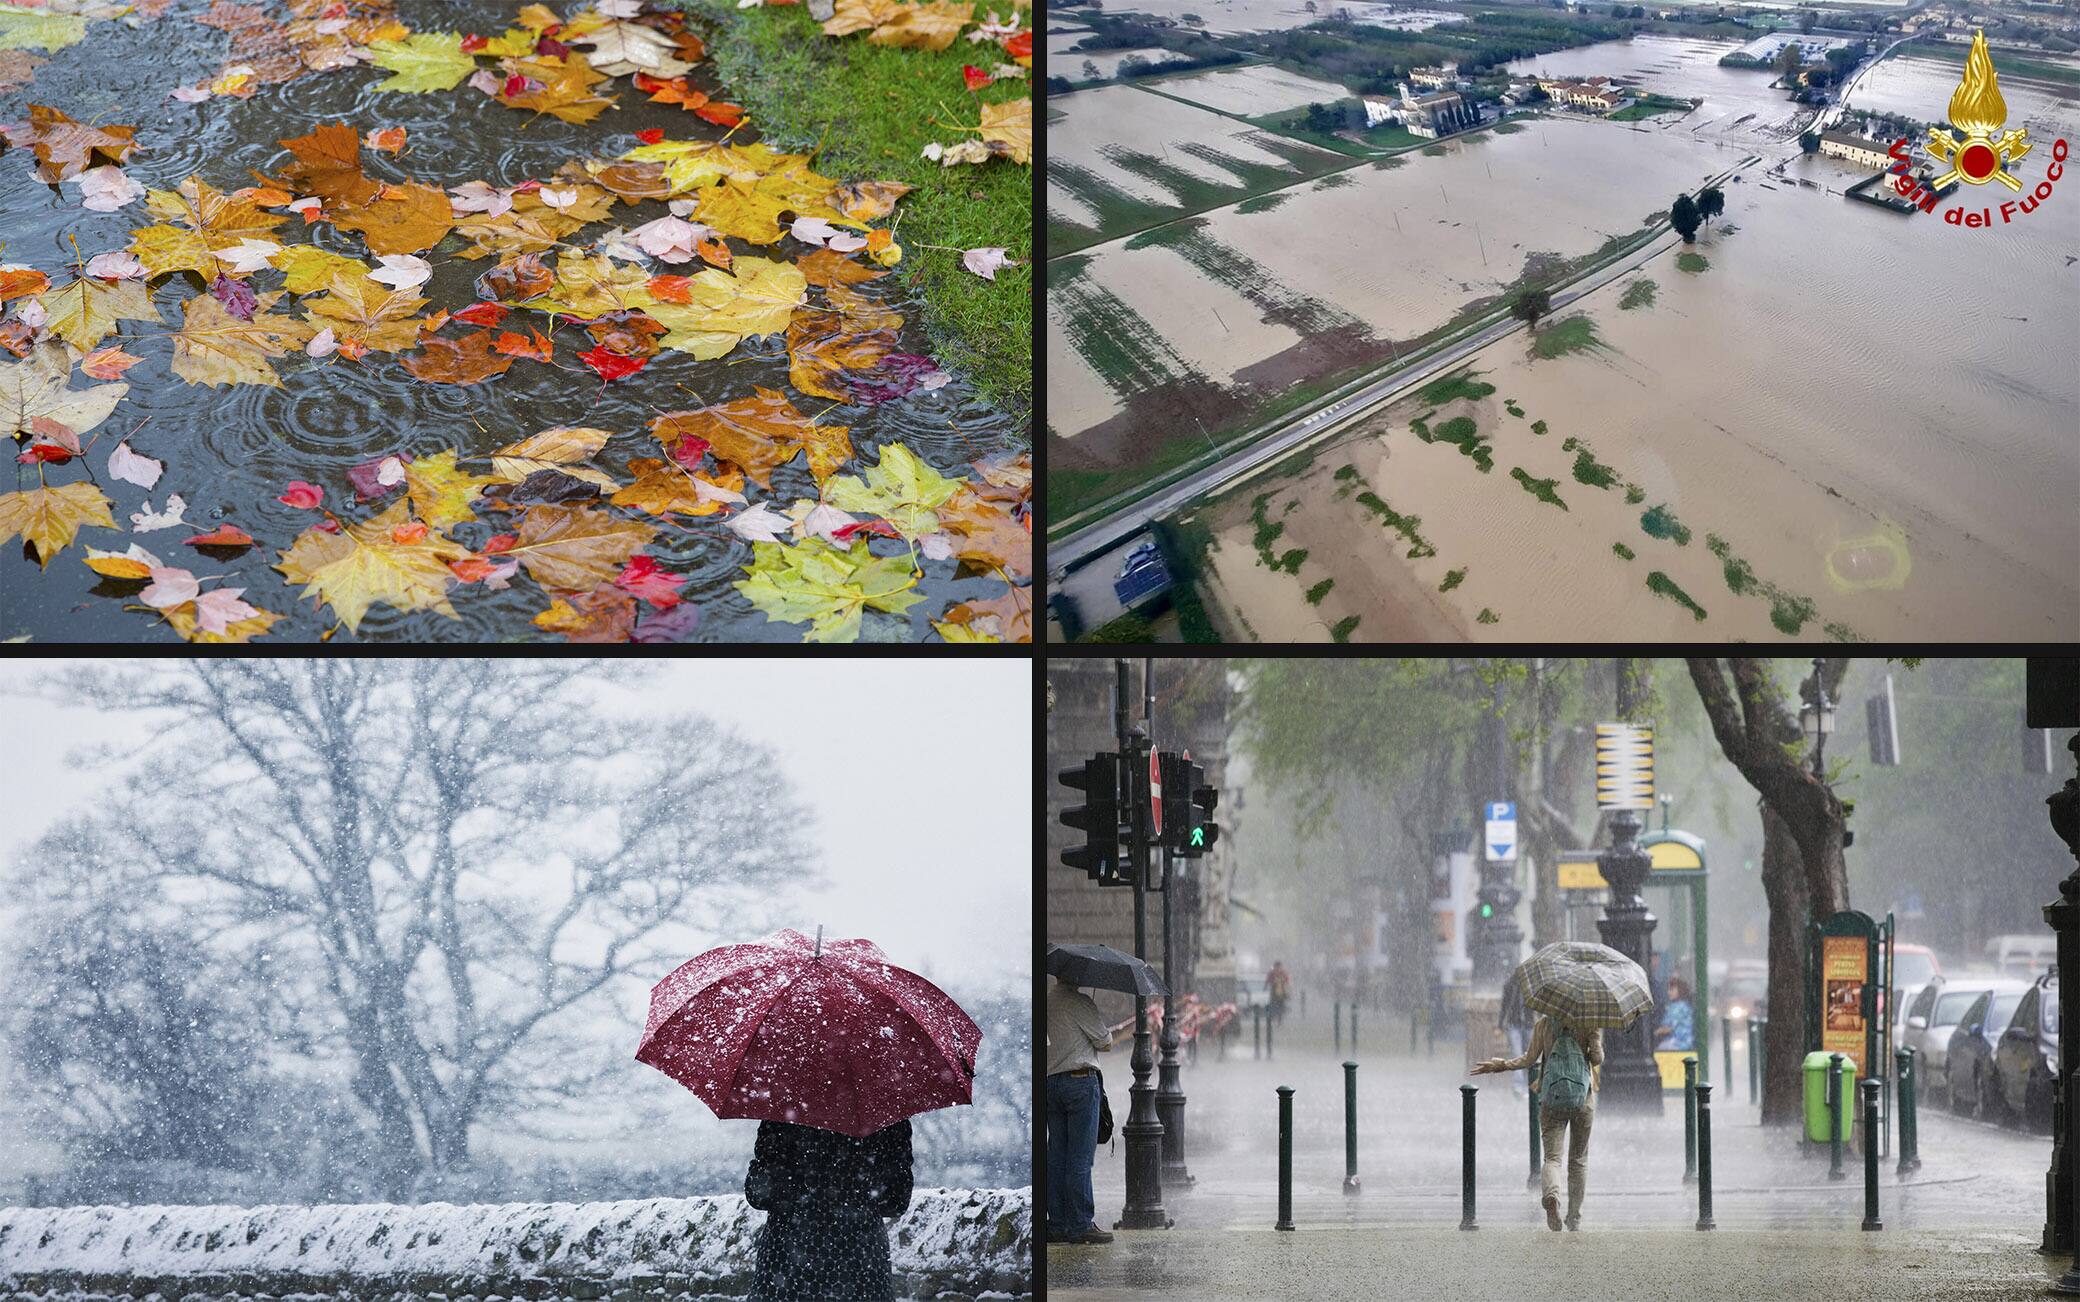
1487,910
1198,836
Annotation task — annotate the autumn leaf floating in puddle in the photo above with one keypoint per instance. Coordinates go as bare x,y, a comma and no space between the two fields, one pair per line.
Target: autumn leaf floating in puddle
631,266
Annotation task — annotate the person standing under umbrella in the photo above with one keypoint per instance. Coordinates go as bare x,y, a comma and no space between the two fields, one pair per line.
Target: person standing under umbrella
831,1048
1568,1062
824,1195
1578,988
1076,1035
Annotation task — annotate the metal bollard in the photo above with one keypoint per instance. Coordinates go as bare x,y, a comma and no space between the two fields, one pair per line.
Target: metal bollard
1338,1009
1285,1158
1870,1156
1909,1149
1690,1120
1256,1030
1704,1158
1726,1053
1466,1093
1533,1181
1834,1110
1350,1127
1754,1062
1270,1024
1429,1034
1354,1028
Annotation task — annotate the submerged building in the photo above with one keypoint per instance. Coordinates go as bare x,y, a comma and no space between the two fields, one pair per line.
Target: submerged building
1440,114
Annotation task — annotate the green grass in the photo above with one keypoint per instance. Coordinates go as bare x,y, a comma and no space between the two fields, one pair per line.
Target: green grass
1452,579
1292,561
1408,526
1126,629
1459,384
1344,628
1649,106
2005,64
1538,427
1664,586
1489,617
1507,128
1318,591
1542,489
869,111
1573,335
1692,262
1587,469
1661,522
1268,532
1463,433
1510,405
1788,611
1624,552
1263,202
1640,293
1434,151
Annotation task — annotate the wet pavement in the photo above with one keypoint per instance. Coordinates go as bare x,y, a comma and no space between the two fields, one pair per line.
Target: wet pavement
1965,1225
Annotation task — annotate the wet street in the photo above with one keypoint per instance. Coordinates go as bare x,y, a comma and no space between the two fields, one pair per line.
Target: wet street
1965,1225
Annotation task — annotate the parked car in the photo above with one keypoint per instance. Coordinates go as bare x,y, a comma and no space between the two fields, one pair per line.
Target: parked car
1968,1063
1913,967
1932,1042
2024,954
2025,1060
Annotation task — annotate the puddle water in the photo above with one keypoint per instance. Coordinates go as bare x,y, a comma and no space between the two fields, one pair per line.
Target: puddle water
230,452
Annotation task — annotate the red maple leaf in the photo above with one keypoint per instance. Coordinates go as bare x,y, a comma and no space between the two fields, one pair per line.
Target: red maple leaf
612,366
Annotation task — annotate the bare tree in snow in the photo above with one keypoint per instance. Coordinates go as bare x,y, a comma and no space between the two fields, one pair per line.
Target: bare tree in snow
424,870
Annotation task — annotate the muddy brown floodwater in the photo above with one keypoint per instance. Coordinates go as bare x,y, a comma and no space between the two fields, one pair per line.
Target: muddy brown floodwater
230,452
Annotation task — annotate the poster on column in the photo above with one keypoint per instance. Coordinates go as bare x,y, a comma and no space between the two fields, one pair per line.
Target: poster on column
1844,968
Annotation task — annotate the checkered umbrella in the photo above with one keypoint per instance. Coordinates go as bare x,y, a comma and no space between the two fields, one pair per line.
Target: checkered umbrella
1584,985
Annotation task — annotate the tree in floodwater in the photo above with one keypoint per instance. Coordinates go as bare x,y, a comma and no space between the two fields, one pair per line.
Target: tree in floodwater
421,873
1531,304
1711,201
1803,873
1683,215
1790,59
1810,142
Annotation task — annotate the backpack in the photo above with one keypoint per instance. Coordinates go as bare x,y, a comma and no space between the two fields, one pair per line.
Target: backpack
1104,1112
1564,1084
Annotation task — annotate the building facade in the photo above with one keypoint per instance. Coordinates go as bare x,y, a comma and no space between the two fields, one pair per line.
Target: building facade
1440,114
1854,149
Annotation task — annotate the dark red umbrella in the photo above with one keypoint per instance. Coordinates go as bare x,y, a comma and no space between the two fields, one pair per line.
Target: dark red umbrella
830,1035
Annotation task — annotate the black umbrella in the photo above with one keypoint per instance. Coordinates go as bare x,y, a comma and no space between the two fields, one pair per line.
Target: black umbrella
1102,967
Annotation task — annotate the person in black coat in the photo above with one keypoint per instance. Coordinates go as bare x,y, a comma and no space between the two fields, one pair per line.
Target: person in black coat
824,1195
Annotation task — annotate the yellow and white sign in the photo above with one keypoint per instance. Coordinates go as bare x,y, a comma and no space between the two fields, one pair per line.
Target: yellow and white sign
1624,766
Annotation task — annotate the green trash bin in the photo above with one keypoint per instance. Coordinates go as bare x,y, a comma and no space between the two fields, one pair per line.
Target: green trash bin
1818,1119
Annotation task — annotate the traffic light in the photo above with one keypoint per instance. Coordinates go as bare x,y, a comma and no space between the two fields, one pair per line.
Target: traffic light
1487,910
1177,800
1098,819
1200,831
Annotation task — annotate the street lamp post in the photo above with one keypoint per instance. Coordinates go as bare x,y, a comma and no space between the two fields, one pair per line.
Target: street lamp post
1631,1080
1144,1133
1816,720
1169,1093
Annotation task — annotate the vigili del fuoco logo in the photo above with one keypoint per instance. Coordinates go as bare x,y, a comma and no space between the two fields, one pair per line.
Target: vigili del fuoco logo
1977,109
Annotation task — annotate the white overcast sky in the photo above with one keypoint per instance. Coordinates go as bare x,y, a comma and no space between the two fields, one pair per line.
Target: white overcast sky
919,773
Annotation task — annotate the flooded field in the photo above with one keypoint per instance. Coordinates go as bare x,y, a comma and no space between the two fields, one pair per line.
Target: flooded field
1229,17
1404,20
1232,309
1739,103
1065,60
1838,422
1919,87
1253,91
254,429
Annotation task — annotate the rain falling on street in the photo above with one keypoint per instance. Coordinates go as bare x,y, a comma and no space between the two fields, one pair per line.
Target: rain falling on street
1717,912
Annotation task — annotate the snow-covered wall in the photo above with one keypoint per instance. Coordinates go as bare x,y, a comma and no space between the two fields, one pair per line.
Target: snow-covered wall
952,1243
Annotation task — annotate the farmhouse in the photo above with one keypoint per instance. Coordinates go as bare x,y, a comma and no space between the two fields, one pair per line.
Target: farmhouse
1855,149
1440,114
1439,78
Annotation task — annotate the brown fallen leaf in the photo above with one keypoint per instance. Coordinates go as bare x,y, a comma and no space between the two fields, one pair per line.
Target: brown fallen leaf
605,614
526,276
662,487
760,434
328,164
852,334
987,536
408,218
214,347
107,363
828,267
1008,618
468,360
575,548
65,148
865,201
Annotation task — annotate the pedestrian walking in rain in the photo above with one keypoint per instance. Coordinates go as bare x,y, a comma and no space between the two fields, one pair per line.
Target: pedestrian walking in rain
1516,1023
1076,1035
1567,1063
1279,984
832,1049
1578,989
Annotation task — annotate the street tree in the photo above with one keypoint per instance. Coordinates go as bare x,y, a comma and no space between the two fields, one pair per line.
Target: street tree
1789,60
424,872
1711,201
1803,873
1684,217
1530,304
1809,141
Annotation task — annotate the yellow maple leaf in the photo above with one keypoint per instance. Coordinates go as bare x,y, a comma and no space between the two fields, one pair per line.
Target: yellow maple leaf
727,309
213,347
369,312
691,164
925,26
591,286
49,518
750,208
441,492
1008,129
86,311
354,570
662,487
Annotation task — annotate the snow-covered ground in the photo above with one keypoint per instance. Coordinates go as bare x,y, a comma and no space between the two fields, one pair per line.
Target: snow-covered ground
958,1242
